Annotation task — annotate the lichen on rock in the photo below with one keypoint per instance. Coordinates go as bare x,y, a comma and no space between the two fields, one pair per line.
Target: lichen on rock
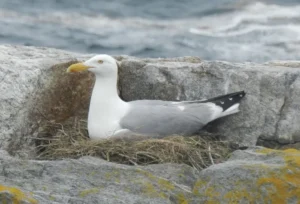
15,196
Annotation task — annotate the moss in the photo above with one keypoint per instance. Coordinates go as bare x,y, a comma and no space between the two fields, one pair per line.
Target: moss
87,192
18,195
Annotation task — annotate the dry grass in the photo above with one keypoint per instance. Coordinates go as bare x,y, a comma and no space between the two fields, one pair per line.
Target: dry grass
71,141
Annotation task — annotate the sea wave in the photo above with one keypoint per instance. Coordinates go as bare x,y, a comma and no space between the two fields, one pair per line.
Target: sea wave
251,31
254,17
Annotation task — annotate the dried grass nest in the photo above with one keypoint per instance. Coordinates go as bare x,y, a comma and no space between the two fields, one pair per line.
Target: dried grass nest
56,141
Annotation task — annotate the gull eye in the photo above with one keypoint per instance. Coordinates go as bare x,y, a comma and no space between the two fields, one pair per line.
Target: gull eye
100,61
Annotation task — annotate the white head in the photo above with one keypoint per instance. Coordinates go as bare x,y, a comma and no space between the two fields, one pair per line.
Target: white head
101,65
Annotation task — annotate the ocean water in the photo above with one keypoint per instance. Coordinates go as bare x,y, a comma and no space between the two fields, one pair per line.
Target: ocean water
232,30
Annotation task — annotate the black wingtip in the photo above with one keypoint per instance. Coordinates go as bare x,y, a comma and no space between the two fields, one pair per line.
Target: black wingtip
228,100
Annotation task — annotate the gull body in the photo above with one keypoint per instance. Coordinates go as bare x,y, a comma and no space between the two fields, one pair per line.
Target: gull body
110,116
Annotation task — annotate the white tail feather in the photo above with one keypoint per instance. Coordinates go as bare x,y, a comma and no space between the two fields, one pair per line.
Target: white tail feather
233,109
217,111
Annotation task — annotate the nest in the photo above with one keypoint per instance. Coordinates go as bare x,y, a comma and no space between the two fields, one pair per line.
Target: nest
57,141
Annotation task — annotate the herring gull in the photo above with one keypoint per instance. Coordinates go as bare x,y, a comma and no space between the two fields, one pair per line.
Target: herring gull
110,116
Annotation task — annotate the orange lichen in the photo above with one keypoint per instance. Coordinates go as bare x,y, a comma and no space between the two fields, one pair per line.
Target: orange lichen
236,196
18,195
285,180
278,183
206,191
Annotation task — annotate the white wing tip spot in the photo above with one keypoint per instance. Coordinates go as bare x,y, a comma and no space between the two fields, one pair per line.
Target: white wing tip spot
230,99
181,108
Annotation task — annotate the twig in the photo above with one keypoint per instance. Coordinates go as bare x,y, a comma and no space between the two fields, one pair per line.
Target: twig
209,154
201,159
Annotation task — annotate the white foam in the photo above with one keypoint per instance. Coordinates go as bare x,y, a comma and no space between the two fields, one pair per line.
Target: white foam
255,32
254,17
181,108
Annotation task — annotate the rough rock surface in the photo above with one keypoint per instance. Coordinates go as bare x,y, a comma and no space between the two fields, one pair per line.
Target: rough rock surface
92,180
250,176
34,88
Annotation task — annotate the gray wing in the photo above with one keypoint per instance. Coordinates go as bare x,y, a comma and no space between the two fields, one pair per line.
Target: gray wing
161,102
164,118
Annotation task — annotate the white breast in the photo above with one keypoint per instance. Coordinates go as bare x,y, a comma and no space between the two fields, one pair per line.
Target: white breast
104,122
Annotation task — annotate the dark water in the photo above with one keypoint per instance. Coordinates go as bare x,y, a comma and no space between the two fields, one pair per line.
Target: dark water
233,30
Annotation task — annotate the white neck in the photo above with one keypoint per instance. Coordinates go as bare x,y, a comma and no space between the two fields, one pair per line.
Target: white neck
106,108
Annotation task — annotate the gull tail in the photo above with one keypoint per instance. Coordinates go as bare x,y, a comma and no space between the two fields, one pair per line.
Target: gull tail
229,103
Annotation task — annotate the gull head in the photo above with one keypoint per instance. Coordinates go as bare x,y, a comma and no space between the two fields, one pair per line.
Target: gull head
100,65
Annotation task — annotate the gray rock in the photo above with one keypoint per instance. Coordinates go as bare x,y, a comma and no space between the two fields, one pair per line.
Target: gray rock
251,176
35,88
92,180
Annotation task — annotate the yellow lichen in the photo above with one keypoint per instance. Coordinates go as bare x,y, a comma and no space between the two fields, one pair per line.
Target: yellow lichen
148,174
17,194
211,194
86,192
181,199
114,174
278,183
197,186
285,180
236,196
151,191
165,184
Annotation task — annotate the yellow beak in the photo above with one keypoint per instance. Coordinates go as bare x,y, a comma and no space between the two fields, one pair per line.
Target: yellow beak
77,67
